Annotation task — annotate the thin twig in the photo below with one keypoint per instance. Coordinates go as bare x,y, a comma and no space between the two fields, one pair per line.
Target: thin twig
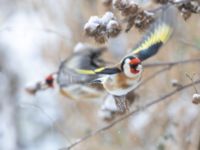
191,44
172,63
192,80
98,131
153,75
168,65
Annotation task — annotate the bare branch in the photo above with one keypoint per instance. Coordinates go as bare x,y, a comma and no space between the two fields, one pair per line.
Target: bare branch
172,63
189,44
192,80
156,101
153,75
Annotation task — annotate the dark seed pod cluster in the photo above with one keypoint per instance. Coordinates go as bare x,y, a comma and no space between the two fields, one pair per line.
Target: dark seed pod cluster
188,8
185,7
107,3
161,1
133,14
102,28
196,98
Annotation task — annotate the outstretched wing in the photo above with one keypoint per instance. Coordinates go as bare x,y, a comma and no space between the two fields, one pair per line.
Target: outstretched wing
102,70
158,34
89,58
153,42
83,67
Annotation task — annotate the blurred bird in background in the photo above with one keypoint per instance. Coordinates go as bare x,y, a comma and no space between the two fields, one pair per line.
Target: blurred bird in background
68,81
124,77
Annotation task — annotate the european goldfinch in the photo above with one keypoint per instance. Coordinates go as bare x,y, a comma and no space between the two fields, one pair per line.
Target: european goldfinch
125,76
67,81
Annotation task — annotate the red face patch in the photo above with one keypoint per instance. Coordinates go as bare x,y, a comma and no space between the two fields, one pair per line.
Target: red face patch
135,61
49,80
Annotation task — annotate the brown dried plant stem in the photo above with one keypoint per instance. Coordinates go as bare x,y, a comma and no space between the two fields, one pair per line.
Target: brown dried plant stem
133,112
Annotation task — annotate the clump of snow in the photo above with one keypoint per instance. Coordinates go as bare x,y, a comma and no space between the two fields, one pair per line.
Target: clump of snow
108,108
107,18
92,24
109,104
102,28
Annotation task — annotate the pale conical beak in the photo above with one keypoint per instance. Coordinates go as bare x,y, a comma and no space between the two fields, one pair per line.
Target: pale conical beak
139,67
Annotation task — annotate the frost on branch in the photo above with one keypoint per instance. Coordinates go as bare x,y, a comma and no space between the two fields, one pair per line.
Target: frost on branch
102,28
196,98
133,14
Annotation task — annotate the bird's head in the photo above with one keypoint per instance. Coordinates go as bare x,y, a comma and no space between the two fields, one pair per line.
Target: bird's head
50,80
131,66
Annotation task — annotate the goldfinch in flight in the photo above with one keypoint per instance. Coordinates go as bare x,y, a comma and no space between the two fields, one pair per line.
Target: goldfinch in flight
125,76
67,81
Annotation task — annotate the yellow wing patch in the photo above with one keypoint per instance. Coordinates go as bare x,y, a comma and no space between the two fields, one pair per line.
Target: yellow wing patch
160,34
89,72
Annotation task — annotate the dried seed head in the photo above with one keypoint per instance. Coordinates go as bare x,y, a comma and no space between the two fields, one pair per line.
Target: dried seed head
141,20
196,98
188,8
101,38
90,28
107,17
120,4
92,25
113,28
186,15
107,3
102,28
161,1
133,7
134,15
125,7
176,84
